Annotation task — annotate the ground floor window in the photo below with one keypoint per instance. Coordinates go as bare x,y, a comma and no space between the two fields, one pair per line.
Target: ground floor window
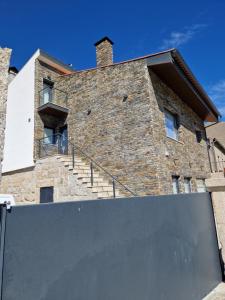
201,187
46,194
175,184
187,184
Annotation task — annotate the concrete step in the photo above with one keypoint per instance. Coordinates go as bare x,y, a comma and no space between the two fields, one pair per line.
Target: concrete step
105,195
103,184
217,175
95,184
97,189
87,176
84,167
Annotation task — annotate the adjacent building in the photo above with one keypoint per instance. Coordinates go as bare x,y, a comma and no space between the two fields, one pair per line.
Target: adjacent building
5,54
216,135
128,128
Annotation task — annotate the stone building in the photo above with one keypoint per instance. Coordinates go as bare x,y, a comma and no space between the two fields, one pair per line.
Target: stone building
137,126
216,136
5,54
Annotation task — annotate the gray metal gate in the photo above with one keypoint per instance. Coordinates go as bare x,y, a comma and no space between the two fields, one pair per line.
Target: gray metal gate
161,248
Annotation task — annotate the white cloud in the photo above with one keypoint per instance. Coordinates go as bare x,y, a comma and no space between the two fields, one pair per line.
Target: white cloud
178,38
217,94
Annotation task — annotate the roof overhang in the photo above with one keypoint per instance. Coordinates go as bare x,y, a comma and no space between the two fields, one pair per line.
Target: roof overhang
54,63
171,69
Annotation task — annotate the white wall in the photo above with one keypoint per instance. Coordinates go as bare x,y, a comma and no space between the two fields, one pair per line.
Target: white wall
19,133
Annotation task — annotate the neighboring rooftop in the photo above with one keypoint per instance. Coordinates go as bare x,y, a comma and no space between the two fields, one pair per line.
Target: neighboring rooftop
217,131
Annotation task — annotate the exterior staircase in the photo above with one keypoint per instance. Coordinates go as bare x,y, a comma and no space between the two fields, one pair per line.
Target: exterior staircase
101,187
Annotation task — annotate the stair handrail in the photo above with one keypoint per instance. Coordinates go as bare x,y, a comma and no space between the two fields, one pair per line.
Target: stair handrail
75,147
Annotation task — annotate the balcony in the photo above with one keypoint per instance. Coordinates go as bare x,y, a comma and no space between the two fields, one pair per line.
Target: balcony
53,102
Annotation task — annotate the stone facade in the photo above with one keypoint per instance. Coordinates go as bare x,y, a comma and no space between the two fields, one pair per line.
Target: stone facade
117,117
116,114
25,184
43,71
5,54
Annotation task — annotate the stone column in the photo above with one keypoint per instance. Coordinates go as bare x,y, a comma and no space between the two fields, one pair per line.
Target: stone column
216,185
5,54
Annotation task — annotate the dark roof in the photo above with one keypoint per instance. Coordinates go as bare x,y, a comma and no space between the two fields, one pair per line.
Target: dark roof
172,69
104,39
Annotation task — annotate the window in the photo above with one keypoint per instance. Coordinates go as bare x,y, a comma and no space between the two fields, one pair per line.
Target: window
187,185
201,187
47,91
198,136
175,183
49,135
171,125
46,194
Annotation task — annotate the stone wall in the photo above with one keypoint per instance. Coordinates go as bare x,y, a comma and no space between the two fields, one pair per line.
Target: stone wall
25,184
5,54
42,71
104,52
110,119
117,117
187,157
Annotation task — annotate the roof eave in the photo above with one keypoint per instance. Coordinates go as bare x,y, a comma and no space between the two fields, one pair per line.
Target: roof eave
54,63
179,59
172,69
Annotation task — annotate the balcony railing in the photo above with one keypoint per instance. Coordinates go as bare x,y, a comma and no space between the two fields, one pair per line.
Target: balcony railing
51,145
53,96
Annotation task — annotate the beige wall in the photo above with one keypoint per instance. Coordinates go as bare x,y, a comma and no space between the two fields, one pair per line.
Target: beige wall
25,184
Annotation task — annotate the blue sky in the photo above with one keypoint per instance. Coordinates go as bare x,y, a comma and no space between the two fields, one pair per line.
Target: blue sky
68,29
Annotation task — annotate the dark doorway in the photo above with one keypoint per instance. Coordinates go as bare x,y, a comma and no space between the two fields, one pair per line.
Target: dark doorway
46,194
63,145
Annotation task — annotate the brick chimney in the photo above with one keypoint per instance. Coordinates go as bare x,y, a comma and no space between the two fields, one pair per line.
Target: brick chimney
104,52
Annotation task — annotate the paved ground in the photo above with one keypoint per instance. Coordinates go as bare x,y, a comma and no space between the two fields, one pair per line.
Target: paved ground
217,294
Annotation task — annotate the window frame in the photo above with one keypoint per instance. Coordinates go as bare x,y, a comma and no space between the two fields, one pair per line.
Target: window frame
175,180
189,185
53,142
174,116
199,136
47,91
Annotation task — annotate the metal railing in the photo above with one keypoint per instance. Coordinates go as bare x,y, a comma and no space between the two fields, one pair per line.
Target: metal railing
57,144
53,95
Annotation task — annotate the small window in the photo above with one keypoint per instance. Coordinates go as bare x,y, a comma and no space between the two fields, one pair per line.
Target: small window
187,185
175,183
46,194
172,125
201,187
198,134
